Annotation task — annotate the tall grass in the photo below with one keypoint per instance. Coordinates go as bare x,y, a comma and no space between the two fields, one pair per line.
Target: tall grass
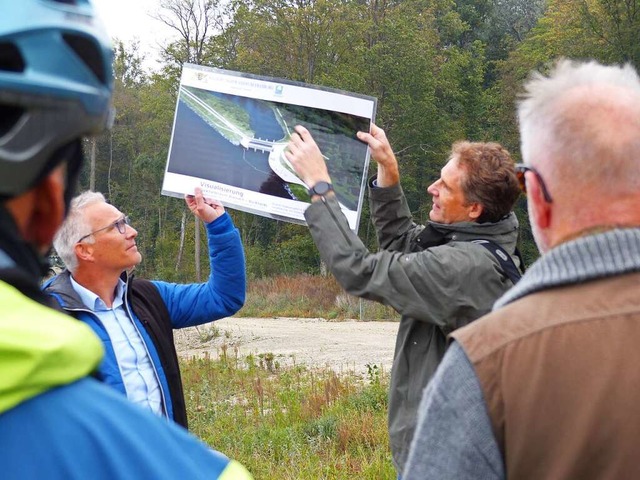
293,422
290,423
310,296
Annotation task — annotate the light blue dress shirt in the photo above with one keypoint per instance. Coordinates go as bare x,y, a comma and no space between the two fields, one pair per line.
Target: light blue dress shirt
138,373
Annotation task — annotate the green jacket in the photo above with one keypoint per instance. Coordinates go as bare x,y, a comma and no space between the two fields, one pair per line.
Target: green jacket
436,290
45,351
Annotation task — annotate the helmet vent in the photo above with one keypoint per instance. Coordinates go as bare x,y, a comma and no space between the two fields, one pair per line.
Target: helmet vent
10,58
89,53
9,116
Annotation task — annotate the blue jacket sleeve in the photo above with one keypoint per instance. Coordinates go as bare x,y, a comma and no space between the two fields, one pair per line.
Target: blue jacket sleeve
454,438
87,430
224,292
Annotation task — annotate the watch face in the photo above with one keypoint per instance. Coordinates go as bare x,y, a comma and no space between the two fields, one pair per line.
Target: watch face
321,188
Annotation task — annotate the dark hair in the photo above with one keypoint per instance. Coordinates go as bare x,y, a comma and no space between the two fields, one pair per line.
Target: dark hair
489,179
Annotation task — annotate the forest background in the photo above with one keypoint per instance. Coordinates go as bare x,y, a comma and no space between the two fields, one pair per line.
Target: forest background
442,70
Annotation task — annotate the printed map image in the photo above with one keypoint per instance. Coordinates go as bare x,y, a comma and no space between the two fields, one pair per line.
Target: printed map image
240,141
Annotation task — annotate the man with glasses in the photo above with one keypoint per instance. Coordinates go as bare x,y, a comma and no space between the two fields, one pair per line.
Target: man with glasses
135,318
547,385
439,276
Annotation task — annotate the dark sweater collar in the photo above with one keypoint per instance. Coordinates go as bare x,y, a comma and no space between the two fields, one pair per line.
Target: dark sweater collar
615,252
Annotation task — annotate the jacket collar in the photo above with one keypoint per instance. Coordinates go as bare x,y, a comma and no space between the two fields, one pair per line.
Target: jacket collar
60,287
614,252
503,232
467,230
41,348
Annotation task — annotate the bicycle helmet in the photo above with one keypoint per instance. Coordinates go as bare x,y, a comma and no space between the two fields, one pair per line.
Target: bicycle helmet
56,84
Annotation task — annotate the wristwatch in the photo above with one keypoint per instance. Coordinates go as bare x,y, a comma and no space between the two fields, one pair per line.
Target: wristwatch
321,189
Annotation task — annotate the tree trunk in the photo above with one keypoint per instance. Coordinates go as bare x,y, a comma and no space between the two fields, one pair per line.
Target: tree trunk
92,171
110,162
183,225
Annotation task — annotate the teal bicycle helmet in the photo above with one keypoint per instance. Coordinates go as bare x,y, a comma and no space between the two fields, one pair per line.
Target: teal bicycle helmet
56,83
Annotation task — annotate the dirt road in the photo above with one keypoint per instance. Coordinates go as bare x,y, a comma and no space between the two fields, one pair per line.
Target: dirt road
341,346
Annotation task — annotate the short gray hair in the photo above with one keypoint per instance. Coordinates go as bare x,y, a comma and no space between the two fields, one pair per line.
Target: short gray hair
75,227
586,117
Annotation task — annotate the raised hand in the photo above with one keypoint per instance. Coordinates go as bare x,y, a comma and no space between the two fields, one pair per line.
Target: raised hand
206,209
305,157
382,154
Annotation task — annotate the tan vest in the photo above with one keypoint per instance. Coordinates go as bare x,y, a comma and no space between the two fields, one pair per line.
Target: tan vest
560,372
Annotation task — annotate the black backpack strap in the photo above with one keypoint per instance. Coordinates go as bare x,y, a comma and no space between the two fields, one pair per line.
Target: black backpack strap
523,267
505,260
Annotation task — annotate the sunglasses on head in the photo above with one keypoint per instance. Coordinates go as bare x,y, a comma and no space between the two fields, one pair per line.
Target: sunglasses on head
521,169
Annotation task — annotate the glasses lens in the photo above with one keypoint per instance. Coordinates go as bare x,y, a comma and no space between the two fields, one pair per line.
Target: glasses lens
523,183
121,224
520,171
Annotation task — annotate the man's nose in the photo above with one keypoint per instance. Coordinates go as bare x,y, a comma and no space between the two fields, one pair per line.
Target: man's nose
131,232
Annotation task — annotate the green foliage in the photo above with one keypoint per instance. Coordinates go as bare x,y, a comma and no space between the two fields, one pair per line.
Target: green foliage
127,65
290,422
208,333
294,253
441,70
605,30
321,35
373,398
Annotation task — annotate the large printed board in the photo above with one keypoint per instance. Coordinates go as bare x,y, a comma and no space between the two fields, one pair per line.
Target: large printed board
231,129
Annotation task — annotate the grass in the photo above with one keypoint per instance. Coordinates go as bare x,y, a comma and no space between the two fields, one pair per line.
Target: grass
290,423
293,422
309,296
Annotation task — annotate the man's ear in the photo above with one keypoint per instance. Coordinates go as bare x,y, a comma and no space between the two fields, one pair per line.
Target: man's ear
541,208
48,210
475,211
39,212
83,251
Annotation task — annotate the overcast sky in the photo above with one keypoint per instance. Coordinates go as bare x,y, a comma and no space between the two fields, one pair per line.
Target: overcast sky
129,20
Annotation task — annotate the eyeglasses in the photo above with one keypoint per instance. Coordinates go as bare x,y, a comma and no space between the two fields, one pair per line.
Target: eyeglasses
120,224
521,169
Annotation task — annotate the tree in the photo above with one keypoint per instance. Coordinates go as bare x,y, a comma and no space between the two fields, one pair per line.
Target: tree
599,29
441,70
195,21
127,64
299,40
616,23
516,17
500,25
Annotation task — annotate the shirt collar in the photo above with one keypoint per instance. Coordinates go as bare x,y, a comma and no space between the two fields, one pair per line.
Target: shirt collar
93,301
5,260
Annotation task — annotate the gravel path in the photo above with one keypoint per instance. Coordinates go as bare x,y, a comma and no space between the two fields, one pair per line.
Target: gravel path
339,345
